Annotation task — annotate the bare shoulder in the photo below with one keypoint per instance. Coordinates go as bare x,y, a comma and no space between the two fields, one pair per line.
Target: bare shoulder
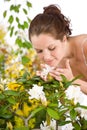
78,40
82,45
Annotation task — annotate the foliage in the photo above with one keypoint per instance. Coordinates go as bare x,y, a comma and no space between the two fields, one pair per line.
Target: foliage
49,106
17,17
19,108
15,8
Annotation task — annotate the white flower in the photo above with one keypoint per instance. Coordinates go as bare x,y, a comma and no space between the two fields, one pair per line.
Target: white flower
79,97
37,93
67,127
52,125
82,111
46,70
74,92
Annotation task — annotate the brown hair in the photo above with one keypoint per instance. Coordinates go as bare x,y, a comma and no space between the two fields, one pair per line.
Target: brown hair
51,21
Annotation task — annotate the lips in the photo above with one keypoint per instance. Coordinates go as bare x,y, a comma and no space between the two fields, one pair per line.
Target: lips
50,63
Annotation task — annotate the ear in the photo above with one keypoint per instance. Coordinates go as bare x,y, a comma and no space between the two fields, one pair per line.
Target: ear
64,38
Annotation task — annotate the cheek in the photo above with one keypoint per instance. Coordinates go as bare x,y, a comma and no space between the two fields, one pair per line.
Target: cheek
40,56
58,54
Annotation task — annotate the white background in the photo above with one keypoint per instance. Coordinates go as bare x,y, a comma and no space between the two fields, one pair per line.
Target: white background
76,10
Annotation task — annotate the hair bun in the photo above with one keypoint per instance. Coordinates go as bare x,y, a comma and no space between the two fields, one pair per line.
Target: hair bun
52,9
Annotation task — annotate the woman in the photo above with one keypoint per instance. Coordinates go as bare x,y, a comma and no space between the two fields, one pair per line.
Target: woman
50,33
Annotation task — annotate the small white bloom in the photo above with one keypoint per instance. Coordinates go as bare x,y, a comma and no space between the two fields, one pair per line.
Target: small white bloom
52,125
67,127
79,97
74,92
37,93
46,70
82,111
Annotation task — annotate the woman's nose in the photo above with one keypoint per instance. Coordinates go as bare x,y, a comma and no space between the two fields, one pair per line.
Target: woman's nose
46,55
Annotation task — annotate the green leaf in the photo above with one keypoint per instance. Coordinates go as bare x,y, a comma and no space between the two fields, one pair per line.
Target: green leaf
25,60
11,100
4,13
12,7
28,4
25,24
16,8
20,26
83,123
53,113
64,79
11,92
3,109
17,19
36,110
64,122
16,32
11,31
19,42
22,128
76,126
83,106
2,96
5,116
7,0
27,44
29,20
25,11
53,105
73,114
48,119
11,19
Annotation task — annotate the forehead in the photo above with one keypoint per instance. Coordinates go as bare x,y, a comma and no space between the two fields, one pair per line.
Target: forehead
43,40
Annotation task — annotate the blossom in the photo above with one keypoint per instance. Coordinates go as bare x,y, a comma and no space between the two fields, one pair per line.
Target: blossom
1,87
46,71
37,93
74,92
67,127
82,111
9,125
52,125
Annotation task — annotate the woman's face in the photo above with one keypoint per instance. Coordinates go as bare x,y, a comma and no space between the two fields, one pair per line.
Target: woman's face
49,50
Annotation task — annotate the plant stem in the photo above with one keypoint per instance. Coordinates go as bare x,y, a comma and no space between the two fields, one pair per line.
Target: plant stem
56,124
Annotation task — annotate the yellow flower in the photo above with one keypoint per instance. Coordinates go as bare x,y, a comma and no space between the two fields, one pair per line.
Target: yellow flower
32,123
34,103
9,126
26,109
1,87
18,122
14,86
2,34
15,107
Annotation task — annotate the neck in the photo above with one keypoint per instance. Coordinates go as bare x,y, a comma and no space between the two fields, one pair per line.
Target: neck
68,50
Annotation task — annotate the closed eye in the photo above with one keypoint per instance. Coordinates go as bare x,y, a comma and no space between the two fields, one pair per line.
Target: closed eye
52,48
39,51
